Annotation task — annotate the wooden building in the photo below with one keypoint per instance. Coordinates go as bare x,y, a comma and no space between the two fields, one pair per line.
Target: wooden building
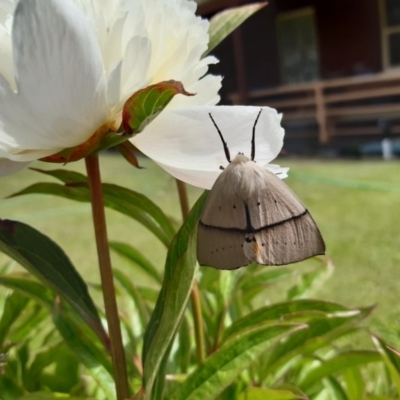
331,66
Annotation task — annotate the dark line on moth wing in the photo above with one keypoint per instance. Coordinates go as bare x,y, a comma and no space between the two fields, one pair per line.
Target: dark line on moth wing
253,138
226,150
270,226
249,226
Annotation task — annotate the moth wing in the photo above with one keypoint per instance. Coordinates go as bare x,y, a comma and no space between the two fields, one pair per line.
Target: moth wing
292,241
221,249
271,201
224,208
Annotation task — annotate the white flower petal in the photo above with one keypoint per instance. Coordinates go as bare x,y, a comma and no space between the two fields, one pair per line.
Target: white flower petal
61,98
186,143
129,75
6,64
280,172
9,167
179,39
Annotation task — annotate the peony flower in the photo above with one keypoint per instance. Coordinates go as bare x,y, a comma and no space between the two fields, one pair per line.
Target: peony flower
185,142
66,68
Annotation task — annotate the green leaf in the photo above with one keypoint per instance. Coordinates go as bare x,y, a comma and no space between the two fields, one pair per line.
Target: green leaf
391,360
86,350
47,261
270,394
77,336
223,366
320,333
54,354
144,105
112,193
335,389
9,390
27,286
338,365
48,396
286,311
125,201
225,22
183,353
135,295
227,283
134,256
180,272
14,305
62,175
354,382
249,281
309,280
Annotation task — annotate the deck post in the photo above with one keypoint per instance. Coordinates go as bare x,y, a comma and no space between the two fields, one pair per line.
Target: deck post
241,80
323,132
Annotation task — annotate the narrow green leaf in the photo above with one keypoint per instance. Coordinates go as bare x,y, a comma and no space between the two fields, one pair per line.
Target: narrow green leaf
86,350
335,389
62,175
34,313
77,336
309,280
135,256
47,261
27,286
130,203
144,105
270,394
180,272
159,382
225,22
34,317
285,310
320,332
135,295
227,283
338,365
354,382
223,366
138,199
183,353
377,397
14,305
48,396
249,281
33,375
9,390
391,360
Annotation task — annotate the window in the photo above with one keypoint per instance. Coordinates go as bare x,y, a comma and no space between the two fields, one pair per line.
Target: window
297,44
390,25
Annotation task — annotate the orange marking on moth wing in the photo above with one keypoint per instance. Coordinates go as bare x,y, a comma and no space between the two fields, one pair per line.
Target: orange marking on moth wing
256,249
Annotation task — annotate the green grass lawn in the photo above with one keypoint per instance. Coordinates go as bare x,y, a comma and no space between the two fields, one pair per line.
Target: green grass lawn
355,204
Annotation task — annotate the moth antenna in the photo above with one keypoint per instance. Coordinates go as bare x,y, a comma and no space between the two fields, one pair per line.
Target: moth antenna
226,150
253,139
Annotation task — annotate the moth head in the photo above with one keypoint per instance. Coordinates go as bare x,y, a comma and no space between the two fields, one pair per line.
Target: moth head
240,158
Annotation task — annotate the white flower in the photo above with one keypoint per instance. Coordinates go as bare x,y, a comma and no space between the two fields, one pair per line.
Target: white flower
185,142
66,68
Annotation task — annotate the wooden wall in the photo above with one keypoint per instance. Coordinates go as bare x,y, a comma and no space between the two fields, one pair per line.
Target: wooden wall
348,39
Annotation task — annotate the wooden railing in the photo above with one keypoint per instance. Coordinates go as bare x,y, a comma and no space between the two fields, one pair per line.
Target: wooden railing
337,107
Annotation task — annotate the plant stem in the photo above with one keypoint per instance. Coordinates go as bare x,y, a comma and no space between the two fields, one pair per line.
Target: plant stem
183,198
195,294
103,252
